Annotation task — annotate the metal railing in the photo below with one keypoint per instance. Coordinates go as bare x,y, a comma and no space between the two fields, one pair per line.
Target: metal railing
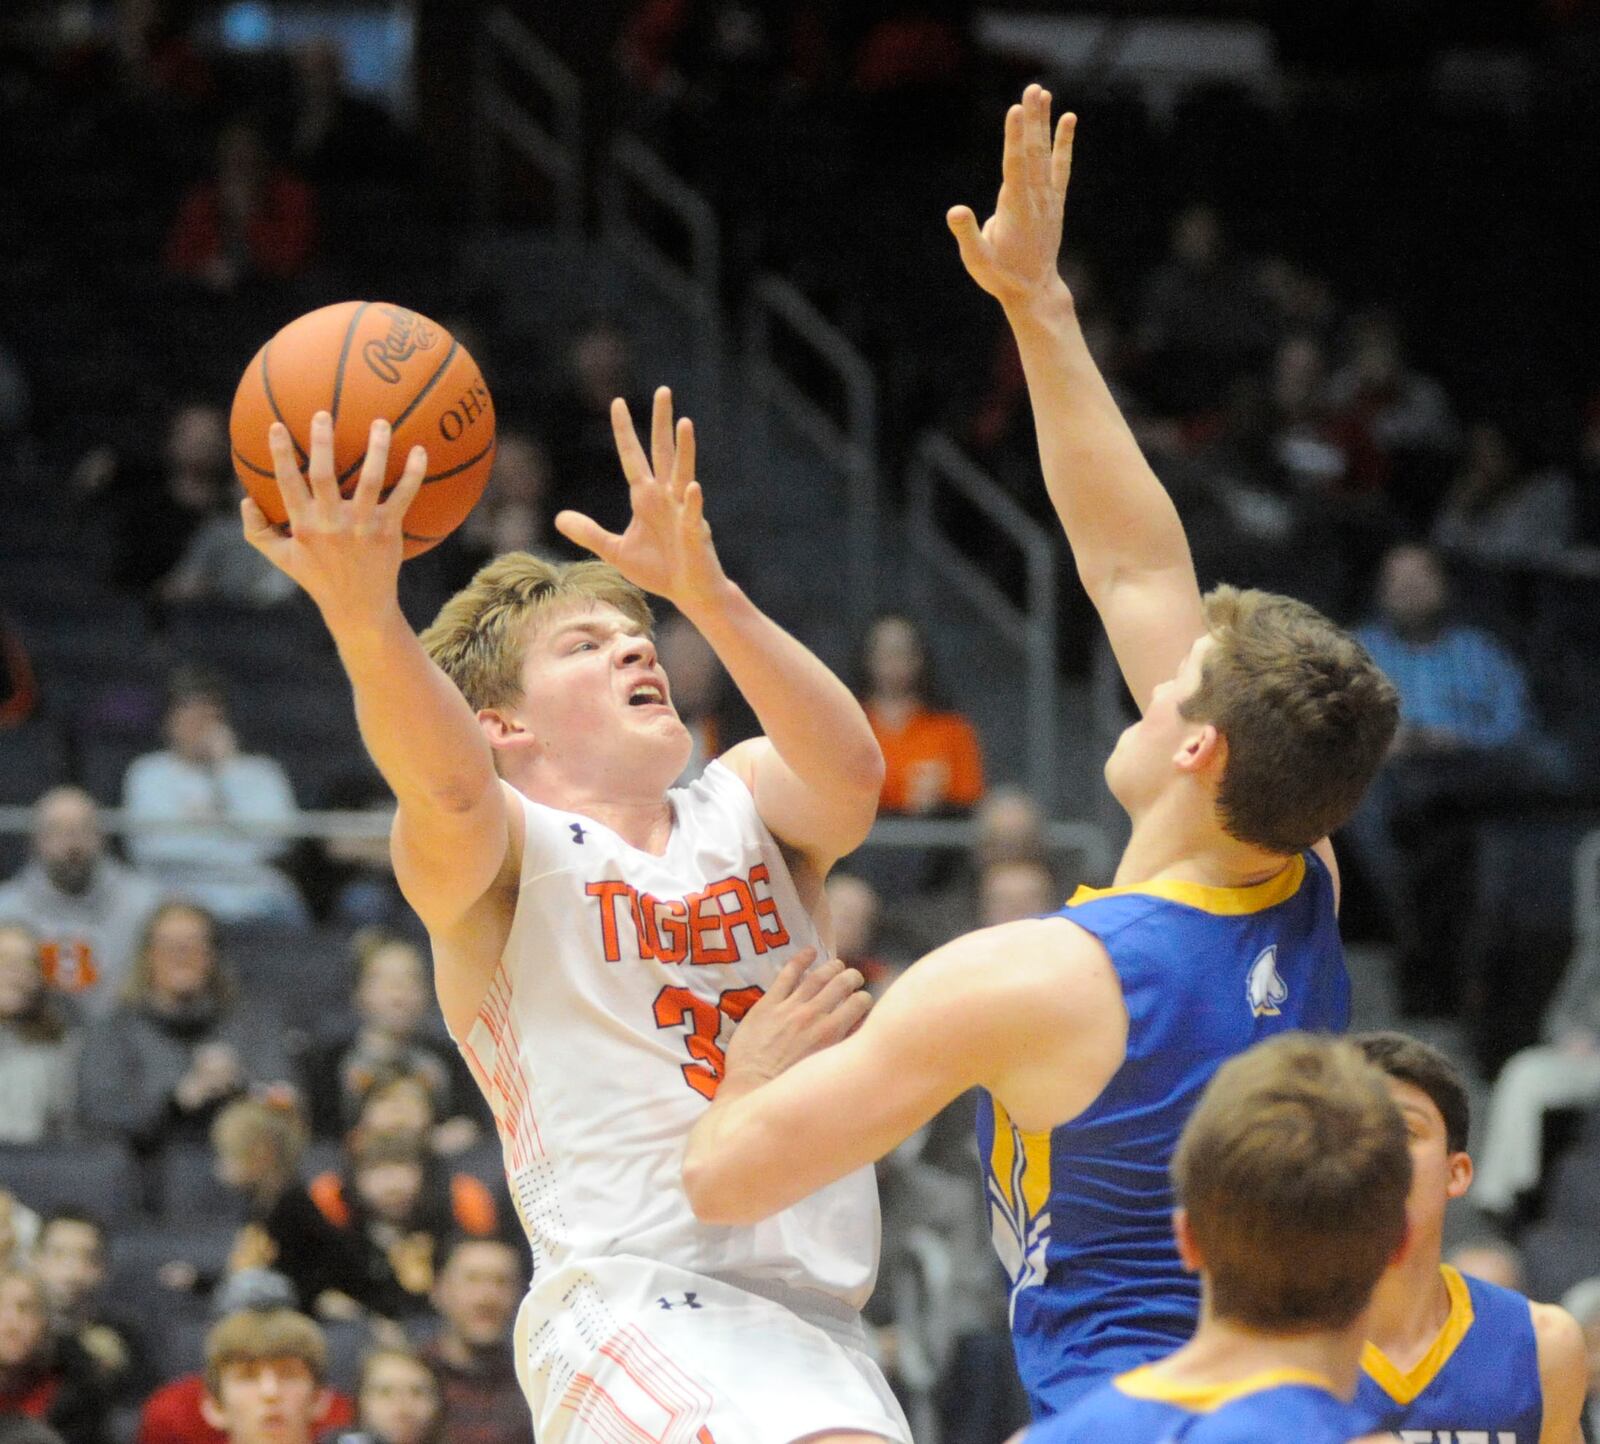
553,145
850,443
637,177
939,464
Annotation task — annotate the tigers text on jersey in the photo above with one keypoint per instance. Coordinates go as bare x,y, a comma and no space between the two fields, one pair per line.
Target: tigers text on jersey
601,1040
1277,1406
1477,1384
1082,1214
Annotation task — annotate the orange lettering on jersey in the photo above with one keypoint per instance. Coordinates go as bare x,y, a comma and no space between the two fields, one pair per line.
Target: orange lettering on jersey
767,905
644,931
607,894
742,914
704,924
673,922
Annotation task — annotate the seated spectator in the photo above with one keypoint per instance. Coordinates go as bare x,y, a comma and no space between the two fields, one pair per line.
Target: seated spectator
398,1402
19,1228
583,452
700,692
1306,453
1562,1072
42,1376
251,220
1009,891
337,136
70,1259
1490,1259
1467,735
1500,509
219,565
933,763
392,1002
266,1378
173,1413
178,1046
19,689
854,906
476,1294
513,515
350,879
88,908
38,1048
202,778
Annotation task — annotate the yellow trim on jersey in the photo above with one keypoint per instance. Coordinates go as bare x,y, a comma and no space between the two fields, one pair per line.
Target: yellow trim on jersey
1035,1162
1403,1388
1223,901
1140,1383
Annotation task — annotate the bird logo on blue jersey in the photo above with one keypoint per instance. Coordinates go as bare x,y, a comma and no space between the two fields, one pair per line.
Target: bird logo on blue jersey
1264,988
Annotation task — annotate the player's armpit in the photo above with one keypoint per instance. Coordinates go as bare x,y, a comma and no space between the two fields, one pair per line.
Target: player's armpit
446,859
963,1017
1563,1373
821,824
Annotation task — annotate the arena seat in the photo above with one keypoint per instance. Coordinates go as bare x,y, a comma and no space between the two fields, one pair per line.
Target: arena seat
188,1188
98,1177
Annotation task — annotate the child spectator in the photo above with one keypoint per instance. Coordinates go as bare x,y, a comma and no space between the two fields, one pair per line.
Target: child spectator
38,1049
41,1376
479,1286
266,1377
70,1259
398,1402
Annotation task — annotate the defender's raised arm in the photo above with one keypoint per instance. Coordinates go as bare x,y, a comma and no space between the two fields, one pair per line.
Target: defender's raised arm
1125,534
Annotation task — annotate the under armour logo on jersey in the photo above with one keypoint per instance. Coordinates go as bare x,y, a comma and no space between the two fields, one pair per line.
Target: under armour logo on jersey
578,834
1266,991
688,1301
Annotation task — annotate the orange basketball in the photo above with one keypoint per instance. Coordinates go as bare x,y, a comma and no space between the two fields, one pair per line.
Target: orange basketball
361,360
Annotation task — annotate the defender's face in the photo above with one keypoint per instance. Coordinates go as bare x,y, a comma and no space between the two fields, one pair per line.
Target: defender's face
1141,764
596,699
1437,1174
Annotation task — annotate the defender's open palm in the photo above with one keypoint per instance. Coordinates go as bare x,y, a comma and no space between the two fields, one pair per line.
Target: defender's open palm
667,547
1015,255
345,551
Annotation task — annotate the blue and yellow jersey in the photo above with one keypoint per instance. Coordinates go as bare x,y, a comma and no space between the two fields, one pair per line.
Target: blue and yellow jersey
1082,1214
1479,1380
1291,1405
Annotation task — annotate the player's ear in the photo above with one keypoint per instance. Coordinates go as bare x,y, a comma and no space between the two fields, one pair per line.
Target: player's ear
1183,1236
211,1412
1203,749
503,729
1460,1179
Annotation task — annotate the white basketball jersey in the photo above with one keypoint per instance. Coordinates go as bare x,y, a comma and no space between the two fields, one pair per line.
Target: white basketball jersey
601,1042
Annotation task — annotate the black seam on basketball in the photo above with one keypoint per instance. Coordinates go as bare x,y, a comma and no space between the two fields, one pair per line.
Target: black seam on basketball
457,470
344,355
272,401
412,536
240,459
400,420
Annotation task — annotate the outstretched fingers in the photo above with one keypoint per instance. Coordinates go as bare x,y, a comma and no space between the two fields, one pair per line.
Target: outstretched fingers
682,472
586,532
403,492
1061,154
291,480
661,448
320,474
374,468
634,465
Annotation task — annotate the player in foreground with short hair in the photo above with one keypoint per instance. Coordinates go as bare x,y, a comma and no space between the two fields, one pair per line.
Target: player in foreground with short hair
595,937
1095,1029
1453,1357
1291,1179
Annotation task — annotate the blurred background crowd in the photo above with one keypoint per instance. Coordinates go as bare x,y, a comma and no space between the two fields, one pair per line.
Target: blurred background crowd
1336,262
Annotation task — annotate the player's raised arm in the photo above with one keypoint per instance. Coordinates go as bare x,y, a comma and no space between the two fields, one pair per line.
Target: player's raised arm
1127,540
817,772
450,836
971,1014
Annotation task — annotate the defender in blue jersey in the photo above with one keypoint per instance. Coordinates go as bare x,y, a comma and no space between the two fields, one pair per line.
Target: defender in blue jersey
1297,1142
1094,1029
1451,1359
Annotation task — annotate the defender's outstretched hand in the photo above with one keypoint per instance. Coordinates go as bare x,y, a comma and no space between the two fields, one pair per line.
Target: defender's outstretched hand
345,551
667,547
1014,257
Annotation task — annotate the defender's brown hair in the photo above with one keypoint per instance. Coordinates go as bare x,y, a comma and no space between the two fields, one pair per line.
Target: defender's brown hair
1424,1067
1294,1169
1307,715
253,1336
480,633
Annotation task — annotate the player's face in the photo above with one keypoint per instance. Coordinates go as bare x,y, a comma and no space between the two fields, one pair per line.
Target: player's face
266,1401
399,1400
1142,763
1437,1174
596,699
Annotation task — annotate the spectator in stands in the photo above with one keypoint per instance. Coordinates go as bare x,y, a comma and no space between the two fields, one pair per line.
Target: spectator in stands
178,1046
266,1375
583,451
16,1429
513,514
350,880
479,1286
398,1402
855,908
19,1228
392,1002
932,758
251,220
1562,1072
70,1259
1500,509
42,1376
38,1048
1011,890
88,908
699,691
1491,1259
1467,734
203,779
337,137
219,565
173,1413
19,688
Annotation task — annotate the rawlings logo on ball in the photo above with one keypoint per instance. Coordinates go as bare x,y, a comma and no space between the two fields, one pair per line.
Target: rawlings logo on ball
408,334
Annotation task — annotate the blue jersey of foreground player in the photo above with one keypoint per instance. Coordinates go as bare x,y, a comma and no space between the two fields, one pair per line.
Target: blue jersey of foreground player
1082,1214
1291,1405
1479,1380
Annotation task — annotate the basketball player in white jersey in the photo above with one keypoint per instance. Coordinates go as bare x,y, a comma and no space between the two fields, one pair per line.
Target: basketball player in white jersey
595,936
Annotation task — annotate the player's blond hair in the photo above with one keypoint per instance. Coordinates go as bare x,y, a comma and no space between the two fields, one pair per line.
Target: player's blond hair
1294,1169
480,634
1307,715
253,1336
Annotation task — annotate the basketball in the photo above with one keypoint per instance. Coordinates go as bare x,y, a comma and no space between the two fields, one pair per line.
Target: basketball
361,361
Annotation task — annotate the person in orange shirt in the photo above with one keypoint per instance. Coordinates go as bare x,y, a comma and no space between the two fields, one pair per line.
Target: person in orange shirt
932,760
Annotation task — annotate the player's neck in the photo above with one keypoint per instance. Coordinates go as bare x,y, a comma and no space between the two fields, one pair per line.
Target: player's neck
1173,842
1409,1306
637,811
1224,1352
